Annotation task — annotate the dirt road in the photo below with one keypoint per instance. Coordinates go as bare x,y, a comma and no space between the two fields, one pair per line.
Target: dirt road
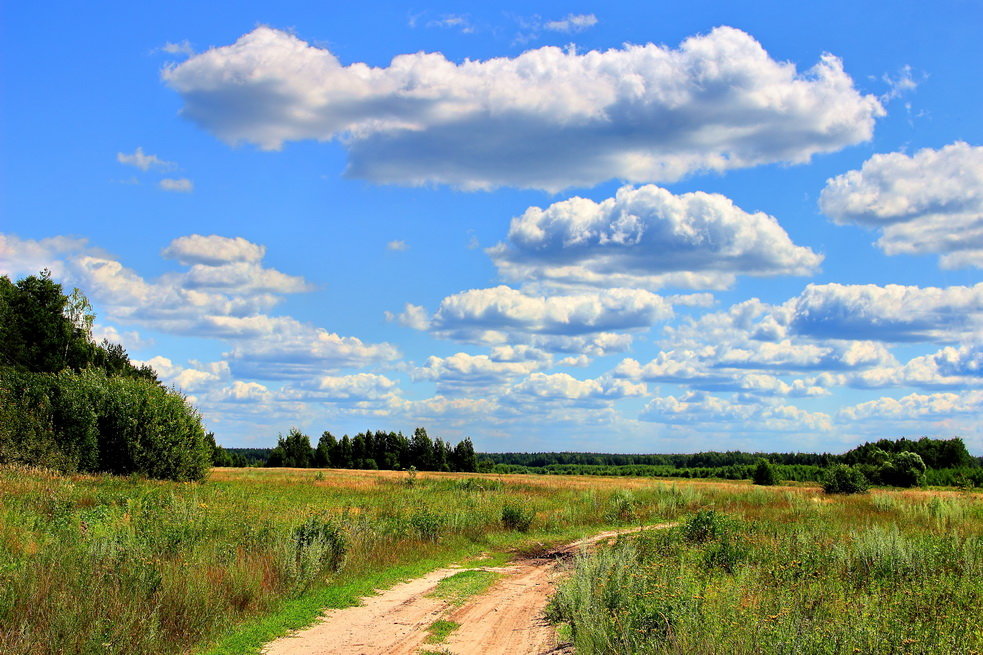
507,619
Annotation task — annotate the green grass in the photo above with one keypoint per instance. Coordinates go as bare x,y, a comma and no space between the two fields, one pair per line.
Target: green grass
456,589
441,630
891,573
127,565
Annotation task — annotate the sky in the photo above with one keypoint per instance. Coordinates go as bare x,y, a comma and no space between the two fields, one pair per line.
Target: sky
616,227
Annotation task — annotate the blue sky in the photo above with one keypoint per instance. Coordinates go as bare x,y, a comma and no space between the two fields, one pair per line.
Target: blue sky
552,226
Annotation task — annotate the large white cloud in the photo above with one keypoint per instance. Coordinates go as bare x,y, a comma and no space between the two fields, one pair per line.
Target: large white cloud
951,367
505,308
648,237
548,118
929,202
917,406
892,312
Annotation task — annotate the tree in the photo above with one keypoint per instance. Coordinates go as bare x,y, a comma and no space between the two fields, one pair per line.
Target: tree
296,450
327,446
464,458
843,479
764,474
904,469
421,450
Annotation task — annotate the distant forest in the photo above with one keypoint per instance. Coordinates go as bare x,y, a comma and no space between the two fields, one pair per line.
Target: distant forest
366,450
944,462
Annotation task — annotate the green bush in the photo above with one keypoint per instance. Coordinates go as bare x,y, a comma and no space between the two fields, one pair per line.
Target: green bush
764,474
428,524
704,526
321,542
843,479
622,506
517,517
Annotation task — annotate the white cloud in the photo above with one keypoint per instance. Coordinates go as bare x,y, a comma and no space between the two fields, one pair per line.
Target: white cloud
502,307
463,372
648,237
177,185
900,85
888,313
224,294
413,316
572,24
548,118
357,388
917,406
397,246
951,367
144,161
181,48
540,387
929,202
213,250
704,408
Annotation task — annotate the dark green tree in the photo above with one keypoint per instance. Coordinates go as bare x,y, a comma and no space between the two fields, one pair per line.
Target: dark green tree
764,473
327,446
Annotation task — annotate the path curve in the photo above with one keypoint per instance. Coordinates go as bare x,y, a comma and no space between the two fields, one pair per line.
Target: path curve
507,619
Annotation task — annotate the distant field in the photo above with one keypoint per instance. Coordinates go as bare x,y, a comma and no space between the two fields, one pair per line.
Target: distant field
126,565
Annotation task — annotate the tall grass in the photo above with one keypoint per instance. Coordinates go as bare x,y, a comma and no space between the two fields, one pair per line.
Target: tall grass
125,565
788,572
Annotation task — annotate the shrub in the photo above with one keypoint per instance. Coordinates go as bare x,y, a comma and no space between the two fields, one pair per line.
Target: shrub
843,479
704,526
621,506
905,469
428,524
764,474
516,517
320,542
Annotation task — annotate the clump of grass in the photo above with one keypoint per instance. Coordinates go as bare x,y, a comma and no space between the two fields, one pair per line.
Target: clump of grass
517,517
457,588
441,630
622,507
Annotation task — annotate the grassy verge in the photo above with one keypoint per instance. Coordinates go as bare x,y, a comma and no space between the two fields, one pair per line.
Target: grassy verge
887,573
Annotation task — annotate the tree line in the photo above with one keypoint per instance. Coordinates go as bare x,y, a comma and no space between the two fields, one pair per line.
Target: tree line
70,404
366,450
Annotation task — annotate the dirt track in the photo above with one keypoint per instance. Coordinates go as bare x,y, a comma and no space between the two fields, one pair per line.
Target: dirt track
505,620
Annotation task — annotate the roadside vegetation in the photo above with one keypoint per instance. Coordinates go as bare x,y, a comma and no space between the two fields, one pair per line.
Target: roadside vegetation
109,564
788,572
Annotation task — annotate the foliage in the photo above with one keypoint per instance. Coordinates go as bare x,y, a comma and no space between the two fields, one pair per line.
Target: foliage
72,405
843,479
764,474
787,576
517,517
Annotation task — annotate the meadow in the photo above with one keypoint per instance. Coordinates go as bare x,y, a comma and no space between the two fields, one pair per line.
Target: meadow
106,564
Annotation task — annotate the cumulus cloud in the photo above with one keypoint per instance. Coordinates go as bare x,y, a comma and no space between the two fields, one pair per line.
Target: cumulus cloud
548,118
888,313
143,161
951,367
583,324
572,24
462,372
563,387
397,246
929,202
177,185
213,250
180,48
225,294
356,388
917,406
648,237
704,408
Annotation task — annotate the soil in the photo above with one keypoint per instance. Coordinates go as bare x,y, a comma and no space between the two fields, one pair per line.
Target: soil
507,619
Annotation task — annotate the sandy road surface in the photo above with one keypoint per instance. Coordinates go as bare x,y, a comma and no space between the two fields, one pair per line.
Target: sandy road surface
506,619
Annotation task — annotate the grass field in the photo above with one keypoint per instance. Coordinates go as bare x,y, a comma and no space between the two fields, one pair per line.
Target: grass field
102,564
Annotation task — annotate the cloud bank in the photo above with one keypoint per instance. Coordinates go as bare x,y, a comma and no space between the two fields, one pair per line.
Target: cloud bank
548,118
